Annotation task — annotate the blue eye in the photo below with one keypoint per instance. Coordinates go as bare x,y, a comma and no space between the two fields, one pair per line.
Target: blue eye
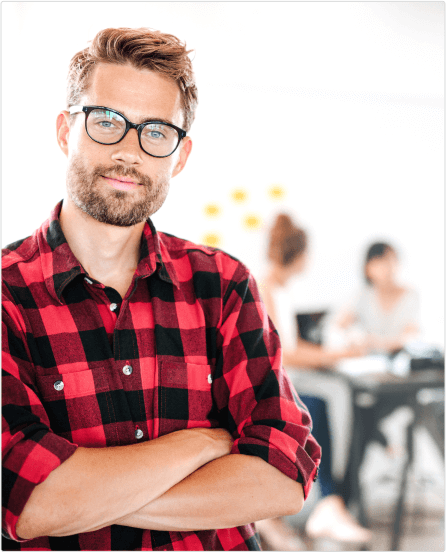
155,134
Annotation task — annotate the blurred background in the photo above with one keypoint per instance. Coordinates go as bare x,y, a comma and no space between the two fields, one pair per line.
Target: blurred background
332,112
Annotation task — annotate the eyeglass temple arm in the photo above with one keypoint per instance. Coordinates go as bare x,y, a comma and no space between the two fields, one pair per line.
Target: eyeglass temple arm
75,109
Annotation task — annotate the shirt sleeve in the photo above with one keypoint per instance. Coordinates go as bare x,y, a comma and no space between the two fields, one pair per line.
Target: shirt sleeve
30,450
253,392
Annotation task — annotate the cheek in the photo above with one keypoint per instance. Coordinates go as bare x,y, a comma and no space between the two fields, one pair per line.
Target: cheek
373,271
174,161
380,270
162,170
80,145
393,264
391,269
76,135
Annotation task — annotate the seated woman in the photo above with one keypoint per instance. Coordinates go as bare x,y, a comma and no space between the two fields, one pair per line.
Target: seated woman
385,316
307,365
385,311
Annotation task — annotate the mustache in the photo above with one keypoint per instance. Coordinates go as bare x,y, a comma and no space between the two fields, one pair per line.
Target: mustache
119,170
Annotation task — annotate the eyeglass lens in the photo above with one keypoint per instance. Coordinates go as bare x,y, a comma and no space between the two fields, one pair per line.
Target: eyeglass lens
108,127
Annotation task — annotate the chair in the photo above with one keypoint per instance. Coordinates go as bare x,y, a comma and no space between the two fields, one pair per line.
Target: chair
310,325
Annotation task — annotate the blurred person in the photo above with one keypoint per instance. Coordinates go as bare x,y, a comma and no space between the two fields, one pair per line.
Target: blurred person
385,312
145,406
320,389
384,317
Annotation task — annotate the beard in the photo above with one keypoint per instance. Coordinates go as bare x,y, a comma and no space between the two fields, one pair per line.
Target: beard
111,206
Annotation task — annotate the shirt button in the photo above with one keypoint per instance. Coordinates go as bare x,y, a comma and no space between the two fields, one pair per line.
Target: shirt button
139,433
58,385
209,378
113,306
88,280
127,370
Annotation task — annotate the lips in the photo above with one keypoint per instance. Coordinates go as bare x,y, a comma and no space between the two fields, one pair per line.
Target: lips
121,184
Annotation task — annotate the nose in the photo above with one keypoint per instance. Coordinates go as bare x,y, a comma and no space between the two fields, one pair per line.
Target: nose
128,151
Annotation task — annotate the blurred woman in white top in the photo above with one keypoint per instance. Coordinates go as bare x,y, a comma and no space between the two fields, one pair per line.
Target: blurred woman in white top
385,312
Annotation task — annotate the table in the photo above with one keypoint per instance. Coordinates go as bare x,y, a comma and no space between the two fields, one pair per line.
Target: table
374,397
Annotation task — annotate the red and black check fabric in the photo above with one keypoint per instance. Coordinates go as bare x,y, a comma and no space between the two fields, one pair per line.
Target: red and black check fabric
190,345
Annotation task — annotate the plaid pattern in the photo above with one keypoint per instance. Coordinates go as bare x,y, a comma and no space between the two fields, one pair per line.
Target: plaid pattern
201,351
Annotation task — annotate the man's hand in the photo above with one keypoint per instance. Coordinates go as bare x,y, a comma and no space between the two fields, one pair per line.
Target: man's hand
220,440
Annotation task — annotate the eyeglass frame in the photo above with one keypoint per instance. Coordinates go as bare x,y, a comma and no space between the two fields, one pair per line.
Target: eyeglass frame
87,109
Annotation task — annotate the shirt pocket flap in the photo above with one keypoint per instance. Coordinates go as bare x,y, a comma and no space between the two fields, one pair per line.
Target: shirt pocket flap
185,375
73,384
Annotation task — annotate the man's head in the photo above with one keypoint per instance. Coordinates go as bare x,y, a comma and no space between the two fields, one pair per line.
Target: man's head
142,48
145,76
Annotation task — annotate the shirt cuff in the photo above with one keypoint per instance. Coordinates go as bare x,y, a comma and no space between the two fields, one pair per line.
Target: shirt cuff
303,469
26,465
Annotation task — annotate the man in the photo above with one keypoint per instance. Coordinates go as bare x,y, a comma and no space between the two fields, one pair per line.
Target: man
145,405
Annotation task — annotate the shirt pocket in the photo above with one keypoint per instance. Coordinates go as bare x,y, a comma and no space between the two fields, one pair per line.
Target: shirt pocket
185,396
77,404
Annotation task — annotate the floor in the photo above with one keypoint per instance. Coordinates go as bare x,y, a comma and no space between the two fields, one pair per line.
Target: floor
423,520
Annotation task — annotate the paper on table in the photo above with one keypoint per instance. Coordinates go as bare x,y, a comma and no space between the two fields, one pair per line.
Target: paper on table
358,366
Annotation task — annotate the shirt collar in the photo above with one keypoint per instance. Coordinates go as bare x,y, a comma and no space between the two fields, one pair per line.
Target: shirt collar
60,266
163,260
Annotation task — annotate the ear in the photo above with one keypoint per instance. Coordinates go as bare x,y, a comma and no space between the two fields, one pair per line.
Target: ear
186,147
63,130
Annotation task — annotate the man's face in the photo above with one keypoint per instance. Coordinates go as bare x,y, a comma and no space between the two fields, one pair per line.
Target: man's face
93,168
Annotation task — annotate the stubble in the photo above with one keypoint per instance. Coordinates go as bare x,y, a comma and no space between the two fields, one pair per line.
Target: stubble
110,206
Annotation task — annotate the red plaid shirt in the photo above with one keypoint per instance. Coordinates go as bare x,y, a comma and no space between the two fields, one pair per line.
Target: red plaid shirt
190,345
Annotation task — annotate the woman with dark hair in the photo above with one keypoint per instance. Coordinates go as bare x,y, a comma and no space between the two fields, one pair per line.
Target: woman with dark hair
319,390
385,311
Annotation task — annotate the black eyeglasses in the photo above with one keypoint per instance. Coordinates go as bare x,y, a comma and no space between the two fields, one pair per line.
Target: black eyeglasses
107,126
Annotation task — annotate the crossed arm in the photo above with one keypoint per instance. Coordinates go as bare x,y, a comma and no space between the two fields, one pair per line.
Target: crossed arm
186,480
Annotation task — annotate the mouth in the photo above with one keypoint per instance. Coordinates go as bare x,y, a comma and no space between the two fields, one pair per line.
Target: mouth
121,184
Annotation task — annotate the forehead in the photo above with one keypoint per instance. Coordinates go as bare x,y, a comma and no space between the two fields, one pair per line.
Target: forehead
137,93
389,255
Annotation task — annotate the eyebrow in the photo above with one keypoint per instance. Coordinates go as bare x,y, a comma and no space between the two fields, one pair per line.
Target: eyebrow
148,119
157,119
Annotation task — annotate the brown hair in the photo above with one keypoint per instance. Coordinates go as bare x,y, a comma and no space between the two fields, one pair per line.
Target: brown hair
286,241
142,48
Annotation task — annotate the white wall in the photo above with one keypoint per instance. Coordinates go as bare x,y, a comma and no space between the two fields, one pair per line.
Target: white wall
339,103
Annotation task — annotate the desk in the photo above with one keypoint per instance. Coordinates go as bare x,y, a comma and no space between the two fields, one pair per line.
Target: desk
374,397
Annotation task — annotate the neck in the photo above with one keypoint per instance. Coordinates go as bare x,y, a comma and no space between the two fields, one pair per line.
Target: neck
277,276
104,251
